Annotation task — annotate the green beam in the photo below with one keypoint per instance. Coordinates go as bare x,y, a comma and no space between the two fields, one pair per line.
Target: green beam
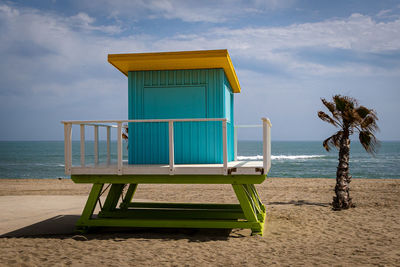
166,223
129,195
253,188
245,203
252,198
185,205
169,179
174,214
113,197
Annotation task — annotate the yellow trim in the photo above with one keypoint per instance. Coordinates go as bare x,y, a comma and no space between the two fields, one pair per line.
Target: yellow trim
207,59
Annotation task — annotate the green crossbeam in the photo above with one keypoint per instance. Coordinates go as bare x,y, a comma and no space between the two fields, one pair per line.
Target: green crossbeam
168,179
185,205
174,213
171,223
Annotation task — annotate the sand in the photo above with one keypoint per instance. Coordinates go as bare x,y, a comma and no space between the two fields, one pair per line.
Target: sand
37,218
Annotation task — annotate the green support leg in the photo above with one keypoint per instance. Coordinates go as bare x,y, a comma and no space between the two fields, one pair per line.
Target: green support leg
113,197
249,208
82,223
258,206
128,197
257,196
255,201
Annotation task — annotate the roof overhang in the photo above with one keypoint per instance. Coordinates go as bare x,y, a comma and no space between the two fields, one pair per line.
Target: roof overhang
206,59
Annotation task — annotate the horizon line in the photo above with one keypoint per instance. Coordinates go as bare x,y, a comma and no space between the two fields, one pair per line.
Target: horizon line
61,140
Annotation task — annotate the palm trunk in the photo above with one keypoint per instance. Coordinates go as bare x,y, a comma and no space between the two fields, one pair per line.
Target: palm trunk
342,200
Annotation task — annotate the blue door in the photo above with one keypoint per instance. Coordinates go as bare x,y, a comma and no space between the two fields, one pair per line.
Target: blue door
190,138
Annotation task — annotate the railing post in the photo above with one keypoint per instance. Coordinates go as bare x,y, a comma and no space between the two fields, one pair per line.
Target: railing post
235,141
108,145
96,145
82,145
225,146
266,144
171,147
68,147
119,148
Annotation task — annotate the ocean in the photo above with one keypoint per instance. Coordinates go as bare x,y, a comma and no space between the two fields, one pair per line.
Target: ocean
45,159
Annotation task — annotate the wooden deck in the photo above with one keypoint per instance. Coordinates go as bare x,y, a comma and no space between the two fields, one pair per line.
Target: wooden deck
234,168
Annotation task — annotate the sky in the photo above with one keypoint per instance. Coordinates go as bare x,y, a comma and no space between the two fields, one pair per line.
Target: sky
287,55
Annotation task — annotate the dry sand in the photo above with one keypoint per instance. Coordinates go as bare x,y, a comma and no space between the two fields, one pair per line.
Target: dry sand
38,217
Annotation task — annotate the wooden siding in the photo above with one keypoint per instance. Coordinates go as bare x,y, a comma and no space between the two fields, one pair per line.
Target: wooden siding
195,142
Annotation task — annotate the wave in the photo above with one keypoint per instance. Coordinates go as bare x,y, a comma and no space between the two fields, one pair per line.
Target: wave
280,157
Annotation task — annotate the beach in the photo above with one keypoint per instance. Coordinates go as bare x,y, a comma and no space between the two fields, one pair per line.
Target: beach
301,228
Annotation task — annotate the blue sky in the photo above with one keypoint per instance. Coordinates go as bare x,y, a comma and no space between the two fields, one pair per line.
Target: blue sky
287,55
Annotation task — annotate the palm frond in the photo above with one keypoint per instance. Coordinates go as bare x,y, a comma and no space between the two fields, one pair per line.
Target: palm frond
325,117
329,105
332,141
362,111
351,117
344,103
369,142
369,124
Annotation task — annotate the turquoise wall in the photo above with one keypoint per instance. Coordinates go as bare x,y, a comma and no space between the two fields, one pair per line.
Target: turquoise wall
228,113
179,94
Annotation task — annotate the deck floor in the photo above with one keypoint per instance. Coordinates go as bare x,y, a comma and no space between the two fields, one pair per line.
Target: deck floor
234,168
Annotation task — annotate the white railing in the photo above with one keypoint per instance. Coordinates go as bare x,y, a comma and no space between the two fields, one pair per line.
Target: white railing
266,125
108,124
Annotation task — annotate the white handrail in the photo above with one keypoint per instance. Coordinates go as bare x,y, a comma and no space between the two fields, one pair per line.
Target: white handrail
93,124
147,120
108,145
266,144
119,149
68,147
96,144
249,126
266,125
82,144
119,125
102,123
171,146
225,147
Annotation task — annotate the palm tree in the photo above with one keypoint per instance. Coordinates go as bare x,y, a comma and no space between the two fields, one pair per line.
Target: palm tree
349,117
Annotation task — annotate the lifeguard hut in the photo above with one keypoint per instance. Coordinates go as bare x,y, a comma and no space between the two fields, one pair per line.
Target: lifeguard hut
181,131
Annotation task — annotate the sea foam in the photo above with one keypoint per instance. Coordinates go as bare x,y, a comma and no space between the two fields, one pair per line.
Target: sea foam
280,157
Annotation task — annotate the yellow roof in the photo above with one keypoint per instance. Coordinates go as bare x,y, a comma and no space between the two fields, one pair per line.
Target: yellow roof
207,59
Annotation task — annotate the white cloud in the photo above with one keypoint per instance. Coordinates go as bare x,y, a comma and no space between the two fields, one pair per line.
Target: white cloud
358,33
44,48
85,22
33,44
280,45
383,12
8,11
185,10
72,45
389,13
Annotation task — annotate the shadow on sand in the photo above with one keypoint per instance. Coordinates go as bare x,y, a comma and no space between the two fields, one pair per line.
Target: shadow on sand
63,227
300,203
